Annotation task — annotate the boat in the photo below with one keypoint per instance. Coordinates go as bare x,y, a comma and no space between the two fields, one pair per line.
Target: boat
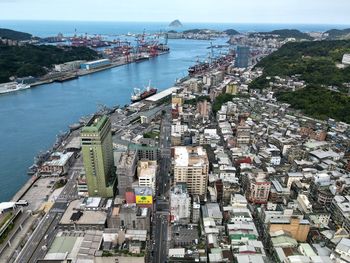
142,58
221,62
12,86
32,169
75,126
139,95
199,67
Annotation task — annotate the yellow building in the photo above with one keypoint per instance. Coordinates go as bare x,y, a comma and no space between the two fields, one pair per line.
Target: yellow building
232,89
298,229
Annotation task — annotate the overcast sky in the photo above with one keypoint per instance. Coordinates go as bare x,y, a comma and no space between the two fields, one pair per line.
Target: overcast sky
229,11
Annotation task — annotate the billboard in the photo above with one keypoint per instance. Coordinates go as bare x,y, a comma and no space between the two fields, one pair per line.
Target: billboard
144,200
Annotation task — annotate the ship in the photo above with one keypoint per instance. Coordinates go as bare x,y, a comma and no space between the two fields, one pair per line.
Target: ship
139,95
12,86
142,58
221,62
199,67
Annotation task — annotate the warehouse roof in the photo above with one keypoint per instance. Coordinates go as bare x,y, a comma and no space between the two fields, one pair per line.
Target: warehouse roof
162,94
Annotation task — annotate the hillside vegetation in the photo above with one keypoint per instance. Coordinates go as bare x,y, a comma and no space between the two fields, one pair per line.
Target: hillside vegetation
231,32
315,62
35,61
14,35
287,33
318,102
338,33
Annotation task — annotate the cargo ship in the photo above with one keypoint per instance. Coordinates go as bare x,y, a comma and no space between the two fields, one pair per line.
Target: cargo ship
221,62
199,67
139,95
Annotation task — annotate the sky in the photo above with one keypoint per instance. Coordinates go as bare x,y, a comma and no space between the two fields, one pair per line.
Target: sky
219,11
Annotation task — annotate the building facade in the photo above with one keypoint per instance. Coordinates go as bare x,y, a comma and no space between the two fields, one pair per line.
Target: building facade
180,204
146,173
126,168
242,57
97,149
191,166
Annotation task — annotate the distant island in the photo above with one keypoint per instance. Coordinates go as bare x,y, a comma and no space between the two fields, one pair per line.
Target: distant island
175,23
14,35
316,63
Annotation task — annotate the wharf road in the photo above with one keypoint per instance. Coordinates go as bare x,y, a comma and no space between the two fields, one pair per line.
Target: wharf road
161,216
14,238
26,255
44,234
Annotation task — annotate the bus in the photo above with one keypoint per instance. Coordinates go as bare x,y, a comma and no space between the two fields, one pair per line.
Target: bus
22,203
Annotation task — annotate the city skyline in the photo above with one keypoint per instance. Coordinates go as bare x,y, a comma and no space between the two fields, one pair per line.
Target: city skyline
251,11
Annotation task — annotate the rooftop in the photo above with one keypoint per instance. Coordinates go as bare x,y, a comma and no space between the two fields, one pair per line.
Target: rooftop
59,159
162,94
84,217
146,168
96,61
95,124
190,156
144,191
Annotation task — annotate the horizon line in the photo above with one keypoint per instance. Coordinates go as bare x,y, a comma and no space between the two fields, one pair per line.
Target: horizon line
190,22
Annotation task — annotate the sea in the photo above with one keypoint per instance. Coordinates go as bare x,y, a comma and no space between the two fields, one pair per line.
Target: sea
31,119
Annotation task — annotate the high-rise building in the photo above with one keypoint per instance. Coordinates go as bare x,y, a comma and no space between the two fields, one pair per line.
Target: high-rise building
180,204
97,148
243,135
242,57
259,189
126,168
195,213
204,109
146,174
191,166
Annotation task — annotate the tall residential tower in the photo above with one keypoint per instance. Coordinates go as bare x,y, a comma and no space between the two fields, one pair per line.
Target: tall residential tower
191,167
242,57
97,148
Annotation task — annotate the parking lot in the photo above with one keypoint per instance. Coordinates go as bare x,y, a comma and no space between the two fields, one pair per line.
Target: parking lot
39,192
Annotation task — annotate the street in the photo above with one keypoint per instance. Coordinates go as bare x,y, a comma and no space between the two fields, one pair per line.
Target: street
161,214
44,234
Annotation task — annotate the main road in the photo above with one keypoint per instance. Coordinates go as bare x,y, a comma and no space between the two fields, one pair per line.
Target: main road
44,234
161,215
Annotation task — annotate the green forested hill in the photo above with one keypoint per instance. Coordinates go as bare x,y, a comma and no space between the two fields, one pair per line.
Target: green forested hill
287,33
14,35
319,102
30,60
338,33
315,62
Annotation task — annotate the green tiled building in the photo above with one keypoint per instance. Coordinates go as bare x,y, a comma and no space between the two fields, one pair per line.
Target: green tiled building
97,148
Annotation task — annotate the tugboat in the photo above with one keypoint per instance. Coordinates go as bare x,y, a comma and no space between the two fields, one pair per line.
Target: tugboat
139,95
